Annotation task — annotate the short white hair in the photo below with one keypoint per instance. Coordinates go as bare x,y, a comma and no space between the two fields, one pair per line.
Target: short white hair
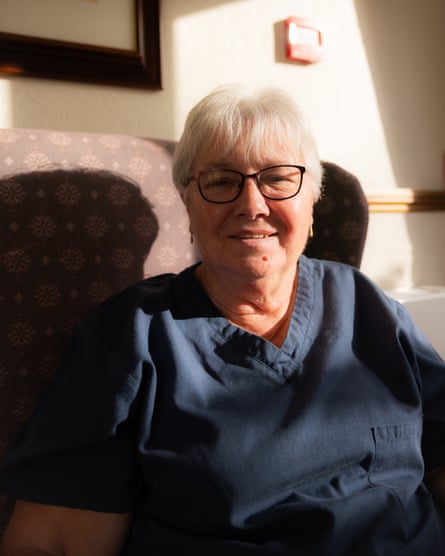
228,112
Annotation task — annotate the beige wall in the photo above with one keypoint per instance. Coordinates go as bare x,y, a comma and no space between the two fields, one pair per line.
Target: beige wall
375,101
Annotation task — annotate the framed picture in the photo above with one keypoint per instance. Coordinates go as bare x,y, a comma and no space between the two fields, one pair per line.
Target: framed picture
49,58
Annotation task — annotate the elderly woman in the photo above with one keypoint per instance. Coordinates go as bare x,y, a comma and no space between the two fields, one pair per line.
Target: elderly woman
257,403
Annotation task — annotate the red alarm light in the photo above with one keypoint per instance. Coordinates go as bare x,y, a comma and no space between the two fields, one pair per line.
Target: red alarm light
304,41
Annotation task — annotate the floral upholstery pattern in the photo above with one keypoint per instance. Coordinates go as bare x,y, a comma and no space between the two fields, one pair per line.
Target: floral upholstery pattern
341,218
82,216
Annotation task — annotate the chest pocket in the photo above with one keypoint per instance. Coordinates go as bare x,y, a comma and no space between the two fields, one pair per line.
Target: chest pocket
398,461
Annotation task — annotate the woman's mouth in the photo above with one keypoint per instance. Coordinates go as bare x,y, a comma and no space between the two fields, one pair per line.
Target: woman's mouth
253,235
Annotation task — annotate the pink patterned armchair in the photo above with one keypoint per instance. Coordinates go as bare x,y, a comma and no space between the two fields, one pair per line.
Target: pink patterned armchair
83,215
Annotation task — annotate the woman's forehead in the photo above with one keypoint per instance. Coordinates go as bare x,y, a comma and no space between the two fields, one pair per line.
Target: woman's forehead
268,150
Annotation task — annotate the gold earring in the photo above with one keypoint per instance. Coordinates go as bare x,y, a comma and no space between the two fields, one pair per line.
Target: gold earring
311,231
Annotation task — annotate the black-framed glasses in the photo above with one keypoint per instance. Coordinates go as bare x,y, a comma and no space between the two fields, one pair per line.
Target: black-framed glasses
277,183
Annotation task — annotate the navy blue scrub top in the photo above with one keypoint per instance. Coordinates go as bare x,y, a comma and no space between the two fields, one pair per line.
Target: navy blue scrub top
223,444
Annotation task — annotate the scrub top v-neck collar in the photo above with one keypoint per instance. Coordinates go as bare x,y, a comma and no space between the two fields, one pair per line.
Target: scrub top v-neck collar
281,360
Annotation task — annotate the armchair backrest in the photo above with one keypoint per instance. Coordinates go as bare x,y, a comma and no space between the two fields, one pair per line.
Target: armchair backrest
340,218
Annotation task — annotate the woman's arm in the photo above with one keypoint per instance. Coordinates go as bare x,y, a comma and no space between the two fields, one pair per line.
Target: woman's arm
41,530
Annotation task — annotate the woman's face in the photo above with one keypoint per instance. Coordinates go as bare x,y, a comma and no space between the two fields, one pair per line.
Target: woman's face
252,236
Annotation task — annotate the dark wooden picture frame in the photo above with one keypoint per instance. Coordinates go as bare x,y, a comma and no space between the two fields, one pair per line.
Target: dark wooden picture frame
21,55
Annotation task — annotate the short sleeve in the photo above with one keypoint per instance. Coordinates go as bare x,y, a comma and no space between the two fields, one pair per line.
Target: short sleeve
80,448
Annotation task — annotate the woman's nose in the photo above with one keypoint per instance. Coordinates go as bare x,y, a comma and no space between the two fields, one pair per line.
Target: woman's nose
251,202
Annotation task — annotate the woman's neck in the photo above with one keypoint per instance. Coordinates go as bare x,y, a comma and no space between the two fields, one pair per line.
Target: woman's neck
260,306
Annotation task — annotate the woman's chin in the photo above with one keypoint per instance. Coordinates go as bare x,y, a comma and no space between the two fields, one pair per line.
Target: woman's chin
253,267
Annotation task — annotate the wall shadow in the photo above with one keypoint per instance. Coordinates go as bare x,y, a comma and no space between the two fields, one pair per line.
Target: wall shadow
405,46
